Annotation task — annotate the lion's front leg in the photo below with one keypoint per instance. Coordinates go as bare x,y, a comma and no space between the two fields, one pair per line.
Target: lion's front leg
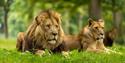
100,45
65,53
92,48
40,52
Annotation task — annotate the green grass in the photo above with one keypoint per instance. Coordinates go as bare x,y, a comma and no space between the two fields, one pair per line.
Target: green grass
8,43
8,54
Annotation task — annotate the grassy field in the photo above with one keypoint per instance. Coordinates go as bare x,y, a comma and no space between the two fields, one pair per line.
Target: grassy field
8,44
8,54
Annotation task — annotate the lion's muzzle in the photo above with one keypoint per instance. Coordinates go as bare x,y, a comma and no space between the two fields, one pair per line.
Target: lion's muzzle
53,38
100,36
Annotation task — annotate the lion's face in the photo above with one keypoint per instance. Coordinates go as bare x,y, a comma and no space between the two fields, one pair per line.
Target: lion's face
97,27
51,27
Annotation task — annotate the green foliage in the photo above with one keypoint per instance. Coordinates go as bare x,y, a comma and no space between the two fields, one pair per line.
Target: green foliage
2,3
7,43
118,5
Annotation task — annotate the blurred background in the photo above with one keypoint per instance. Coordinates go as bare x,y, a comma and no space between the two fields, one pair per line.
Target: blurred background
16,15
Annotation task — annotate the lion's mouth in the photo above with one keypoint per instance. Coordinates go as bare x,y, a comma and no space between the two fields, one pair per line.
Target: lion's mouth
52,41
100,37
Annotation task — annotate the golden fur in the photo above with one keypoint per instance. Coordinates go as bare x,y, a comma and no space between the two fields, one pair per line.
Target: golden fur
69,43
45,32
92,36
20,41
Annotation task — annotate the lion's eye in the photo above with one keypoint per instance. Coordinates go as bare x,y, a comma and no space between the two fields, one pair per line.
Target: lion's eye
48,25
56,26
96,27
102,27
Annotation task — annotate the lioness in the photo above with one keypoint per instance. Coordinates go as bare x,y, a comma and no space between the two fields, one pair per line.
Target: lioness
92,36
45,32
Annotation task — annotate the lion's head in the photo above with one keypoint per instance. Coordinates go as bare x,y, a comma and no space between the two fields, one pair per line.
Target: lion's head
97,28
46,30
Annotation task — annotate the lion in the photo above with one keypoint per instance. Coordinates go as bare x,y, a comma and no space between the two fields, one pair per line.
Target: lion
92,36
110,37
45,32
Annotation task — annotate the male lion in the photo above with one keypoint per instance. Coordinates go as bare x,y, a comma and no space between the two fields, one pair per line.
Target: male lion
45,32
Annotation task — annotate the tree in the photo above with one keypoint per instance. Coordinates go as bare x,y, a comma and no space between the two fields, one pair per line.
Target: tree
95,9
6,6
118,17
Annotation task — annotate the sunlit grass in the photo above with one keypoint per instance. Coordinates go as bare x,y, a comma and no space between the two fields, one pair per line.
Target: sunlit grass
7,43
12,56
8,54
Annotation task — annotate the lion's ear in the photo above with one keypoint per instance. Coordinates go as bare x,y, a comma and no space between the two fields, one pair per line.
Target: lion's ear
59,20
57,17
90,21
101,20
37,21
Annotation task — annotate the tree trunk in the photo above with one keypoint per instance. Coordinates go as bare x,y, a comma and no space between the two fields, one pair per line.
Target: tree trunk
5,21
79,22
95,9
117,18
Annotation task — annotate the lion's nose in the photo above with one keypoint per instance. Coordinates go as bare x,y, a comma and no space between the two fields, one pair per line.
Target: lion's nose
101,34
54,33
